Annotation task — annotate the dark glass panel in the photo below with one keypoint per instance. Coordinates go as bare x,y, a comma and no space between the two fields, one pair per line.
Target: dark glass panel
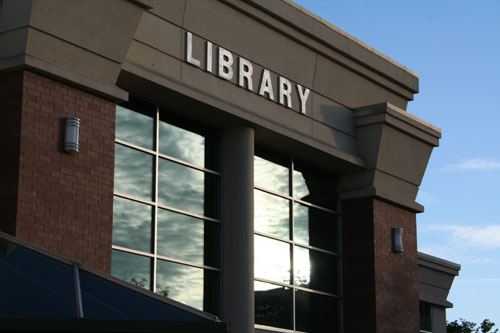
315,227
34,286
132,223
135,127
272,259
183,237
425,317
316,313
132,268
316,270
271,176
180,282
182,144
315,186
273,305
181,187
271,214
103,299
133,172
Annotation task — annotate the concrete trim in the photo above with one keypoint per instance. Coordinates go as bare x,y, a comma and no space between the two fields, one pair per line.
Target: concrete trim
110,92
372,192
438,264
142,3
246,114
435,301
398,118
327,34
29,62
354,39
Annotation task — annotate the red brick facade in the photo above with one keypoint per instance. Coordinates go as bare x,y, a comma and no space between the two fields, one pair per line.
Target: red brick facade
64,203
380,286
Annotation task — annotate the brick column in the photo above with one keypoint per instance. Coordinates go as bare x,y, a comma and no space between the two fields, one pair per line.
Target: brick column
64,203
380,286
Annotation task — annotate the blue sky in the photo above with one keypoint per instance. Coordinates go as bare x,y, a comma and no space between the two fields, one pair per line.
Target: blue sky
454,46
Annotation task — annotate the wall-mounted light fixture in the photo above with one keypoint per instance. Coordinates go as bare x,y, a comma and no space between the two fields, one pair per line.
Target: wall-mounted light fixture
71,135
397,240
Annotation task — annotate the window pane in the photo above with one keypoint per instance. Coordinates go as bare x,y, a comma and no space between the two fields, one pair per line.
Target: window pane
134,127
272,259
316,313
315,270
271,176
181,187
180,282
273,305
425,317
133,172
131,268
182,144
271,214
182,237
315,227
132,224
315,186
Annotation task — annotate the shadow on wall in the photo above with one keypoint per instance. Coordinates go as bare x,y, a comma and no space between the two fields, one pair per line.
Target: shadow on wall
342,131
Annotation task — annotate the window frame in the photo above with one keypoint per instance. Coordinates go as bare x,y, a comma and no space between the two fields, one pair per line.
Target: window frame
289,162
161,114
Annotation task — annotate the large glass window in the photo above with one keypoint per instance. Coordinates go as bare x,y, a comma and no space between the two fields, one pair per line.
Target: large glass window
166,221
425,317
297,246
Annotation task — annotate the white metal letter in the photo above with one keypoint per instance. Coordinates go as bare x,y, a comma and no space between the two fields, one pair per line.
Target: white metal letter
266,85
304,95
245,71
285,90
189,50
208,57
225,64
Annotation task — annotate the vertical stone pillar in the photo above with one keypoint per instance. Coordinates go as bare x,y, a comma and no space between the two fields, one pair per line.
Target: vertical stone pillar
238,247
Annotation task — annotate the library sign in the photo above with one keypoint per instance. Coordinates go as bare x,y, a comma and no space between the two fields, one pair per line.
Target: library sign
227,65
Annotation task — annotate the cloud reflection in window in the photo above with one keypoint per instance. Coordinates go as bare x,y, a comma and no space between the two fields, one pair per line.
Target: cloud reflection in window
134,127
271,176
271,214
132,224
181,187
180,282
133,172
131,268
182,144
180,236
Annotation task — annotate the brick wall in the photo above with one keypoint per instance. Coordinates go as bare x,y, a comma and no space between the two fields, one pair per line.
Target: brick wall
65,202
380,287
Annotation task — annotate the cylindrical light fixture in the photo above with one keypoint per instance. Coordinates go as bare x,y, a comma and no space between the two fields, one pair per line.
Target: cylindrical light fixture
71,135
397,240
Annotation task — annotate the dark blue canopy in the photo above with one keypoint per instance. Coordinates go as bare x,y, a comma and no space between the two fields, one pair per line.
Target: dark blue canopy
41,289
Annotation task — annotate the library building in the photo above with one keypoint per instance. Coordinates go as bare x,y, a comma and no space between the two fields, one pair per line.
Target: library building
208,166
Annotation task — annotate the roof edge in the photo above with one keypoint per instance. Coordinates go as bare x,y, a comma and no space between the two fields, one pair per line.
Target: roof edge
351,37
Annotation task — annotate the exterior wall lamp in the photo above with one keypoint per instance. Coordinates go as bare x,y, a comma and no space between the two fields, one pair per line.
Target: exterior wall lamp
397,240
71,135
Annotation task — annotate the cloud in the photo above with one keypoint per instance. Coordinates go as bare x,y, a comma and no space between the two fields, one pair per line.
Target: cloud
473,164
461,243
476,237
